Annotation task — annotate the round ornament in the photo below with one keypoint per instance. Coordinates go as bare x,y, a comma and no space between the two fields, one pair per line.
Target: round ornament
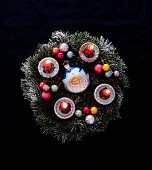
55,50
64,47
94,110
45,95
69,54
59,108
108,74
54,88
89,119
76,80
78,113
41,85
46,87
116,73
60,55
87,57
54,68
98,94
86,110
98,68
106,67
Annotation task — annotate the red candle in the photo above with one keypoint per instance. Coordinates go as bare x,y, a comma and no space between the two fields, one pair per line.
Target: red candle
47,64
64,105
90,49
106,92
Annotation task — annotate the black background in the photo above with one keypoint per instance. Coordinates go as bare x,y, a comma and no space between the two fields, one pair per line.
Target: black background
24,24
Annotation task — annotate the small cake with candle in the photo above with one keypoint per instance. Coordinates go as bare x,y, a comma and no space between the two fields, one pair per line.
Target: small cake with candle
104,94
48,67
89,52
64,108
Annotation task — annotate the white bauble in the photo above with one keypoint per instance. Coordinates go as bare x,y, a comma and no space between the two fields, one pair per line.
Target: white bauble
89,119
78,113
54,88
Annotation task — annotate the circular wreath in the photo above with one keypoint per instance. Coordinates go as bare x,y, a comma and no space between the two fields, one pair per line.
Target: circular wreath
80,77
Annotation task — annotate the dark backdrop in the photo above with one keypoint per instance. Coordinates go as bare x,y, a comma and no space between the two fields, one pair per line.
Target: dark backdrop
24,24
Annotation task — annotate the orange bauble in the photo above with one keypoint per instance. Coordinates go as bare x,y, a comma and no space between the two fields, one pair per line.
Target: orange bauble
94,110
42,84
106,67
55,50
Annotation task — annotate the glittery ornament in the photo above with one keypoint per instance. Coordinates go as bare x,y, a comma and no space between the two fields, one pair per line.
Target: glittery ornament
54,88
94,110
69,54
78,113
45,95
108,74
76,80
46,87
98,68
86,110
89,119
60,55
106,67
116,73
64,47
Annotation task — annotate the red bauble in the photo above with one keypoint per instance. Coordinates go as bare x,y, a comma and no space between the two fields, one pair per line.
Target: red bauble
86,110
98,68
46,95
60,55
55,50
106,92
42,84
64,105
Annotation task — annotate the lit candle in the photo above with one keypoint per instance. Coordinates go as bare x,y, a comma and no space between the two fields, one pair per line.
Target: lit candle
90,49
106,92
47,64
64,105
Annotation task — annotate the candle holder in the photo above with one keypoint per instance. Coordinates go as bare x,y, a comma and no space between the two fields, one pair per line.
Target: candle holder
67,113
54,68
100,98
90,57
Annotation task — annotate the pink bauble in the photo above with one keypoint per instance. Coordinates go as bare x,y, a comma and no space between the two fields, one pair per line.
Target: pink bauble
46,95
86,110
64,47
98,68
60,55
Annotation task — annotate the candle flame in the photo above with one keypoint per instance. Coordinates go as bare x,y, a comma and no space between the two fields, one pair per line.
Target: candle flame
91,46
48,61
64,105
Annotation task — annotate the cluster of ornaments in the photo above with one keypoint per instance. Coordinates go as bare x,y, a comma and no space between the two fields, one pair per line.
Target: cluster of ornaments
99,68
62,51
46,95
76,80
